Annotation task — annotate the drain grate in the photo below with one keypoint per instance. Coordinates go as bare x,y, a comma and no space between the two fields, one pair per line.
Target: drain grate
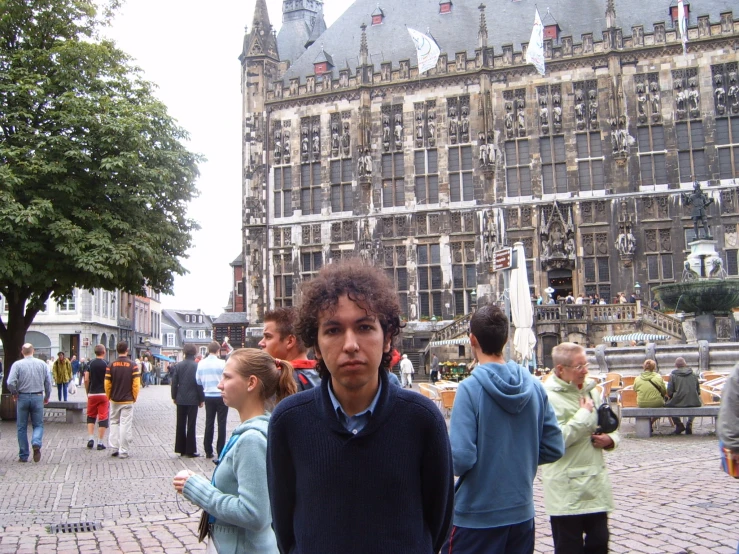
76,527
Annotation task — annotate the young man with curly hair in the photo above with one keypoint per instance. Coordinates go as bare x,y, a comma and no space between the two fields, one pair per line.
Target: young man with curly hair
339,449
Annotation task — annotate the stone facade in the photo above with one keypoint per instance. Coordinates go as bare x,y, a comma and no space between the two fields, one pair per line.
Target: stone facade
427,175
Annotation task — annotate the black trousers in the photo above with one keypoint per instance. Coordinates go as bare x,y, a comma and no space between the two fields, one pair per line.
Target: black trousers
214,407
568,531
187,418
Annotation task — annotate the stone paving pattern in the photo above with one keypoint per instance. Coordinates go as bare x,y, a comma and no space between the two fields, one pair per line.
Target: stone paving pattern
671,495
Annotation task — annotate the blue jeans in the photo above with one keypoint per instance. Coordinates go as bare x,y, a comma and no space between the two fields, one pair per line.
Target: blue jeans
509,539
62,387
33,405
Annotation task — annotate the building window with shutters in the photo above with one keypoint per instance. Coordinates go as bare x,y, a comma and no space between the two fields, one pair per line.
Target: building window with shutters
342,197
311,263
430,281
283,280
394,259
553,166
460,174
393,180
691,154
727,144
189,333
658,248
590,161
426,168
652,153
283,194
310,188
464,276
596,265
518,168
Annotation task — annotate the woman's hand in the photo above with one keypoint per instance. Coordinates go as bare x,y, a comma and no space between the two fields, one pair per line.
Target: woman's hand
602,441
180,479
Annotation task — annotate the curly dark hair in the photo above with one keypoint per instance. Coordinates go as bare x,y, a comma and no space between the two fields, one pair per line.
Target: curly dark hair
368,286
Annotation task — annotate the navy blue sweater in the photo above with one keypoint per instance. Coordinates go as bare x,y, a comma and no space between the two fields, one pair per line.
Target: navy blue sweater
387,489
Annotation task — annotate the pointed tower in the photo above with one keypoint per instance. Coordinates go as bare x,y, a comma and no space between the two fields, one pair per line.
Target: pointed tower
302,25
259,69
610,14
482,33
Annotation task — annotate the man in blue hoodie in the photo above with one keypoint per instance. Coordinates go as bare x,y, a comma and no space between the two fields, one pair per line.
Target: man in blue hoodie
502,429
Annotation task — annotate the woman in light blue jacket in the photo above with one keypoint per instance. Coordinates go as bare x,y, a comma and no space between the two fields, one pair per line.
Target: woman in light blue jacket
237,498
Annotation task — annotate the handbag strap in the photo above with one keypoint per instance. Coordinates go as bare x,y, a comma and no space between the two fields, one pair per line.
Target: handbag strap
656,387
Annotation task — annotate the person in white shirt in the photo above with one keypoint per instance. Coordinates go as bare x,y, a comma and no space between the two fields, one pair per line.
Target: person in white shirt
406,371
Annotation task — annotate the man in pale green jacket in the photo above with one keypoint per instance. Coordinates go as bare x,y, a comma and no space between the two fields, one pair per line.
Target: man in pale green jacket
577,491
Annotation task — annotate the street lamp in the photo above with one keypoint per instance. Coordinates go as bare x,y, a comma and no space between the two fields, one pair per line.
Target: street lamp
433,323
637,290
473,299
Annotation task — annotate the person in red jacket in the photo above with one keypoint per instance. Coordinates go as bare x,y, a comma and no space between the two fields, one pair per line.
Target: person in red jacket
281,342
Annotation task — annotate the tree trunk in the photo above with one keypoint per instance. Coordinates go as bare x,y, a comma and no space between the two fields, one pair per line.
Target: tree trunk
13,334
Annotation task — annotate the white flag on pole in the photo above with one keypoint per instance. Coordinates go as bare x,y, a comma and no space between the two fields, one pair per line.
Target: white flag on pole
682,22
427,50
535,50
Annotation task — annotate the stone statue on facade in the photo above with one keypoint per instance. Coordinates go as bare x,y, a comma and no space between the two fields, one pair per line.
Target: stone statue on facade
286,147
346,140
656,102
509,120
386,132
720,94
278,147
641,102
465,124
700,202
419,129
680,101
431,128
316,145
335,139
593,108
626,243
398,131
694,97
579,110
364,164
733,93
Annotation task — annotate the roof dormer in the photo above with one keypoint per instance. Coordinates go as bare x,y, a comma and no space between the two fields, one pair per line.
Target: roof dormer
445,6
551,27
673,11
378,16
324,63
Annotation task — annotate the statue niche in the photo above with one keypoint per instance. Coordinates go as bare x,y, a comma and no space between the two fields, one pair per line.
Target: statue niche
557,238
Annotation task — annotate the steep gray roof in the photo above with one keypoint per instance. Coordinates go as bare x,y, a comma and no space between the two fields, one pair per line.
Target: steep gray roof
508,23
232,318
238,261
292,38
318,29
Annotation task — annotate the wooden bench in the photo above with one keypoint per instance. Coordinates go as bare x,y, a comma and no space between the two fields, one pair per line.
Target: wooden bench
75,410
644,416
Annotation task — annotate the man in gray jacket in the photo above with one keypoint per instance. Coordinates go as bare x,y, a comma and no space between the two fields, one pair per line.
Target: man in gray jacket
683,391
728,415
30,384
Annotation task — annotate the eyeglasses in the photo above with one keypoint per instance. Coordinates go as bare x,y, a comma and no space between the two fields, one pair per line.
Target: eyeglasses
580,367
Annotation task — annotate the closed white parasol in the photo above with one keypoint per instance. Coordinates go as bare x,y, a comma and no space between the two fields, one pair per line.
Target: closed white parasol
522,311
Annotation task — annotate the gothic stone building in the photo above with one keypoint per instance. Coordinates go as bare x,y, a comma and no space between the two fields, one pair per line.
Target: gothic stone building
348,151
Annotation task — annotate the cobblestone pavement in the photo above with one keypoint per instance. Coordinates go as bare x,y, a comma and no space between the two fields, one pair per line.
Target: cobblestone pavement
670,493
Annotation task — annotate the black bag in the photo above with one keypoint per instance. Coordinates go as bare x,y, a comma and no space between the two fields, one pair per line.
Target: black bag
607,419
203,526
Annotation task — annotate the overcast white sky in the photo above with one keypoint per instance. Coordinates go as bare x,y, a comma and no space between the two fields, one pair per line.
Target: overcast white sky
190,49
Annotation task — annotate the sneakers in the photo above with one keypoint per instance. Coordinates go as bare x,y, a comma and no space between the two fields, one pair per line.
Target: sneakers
36,453
114,453
123,455
101,446
21,460
90,444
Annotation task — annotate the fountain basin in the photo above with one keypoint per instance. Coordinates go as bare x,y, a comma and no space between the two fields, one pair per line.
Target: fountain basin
699,297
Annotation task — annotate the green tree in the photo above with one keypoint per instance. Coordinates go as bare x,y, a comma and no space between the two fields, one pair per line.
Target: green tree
94,177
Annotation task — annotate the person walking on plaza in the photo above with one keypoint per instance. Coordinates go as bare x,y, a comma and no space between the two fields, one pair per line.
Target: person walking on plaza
339,449
146,371
122,384
75,369
502,429
434,368
236,498
683,391
406,371
30,384
98,406
62,370
208,375
188,395
577,490
281,342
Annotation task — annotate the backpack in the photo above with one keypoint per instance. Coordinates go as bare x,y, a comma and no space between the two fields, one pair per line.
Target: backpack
307,379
